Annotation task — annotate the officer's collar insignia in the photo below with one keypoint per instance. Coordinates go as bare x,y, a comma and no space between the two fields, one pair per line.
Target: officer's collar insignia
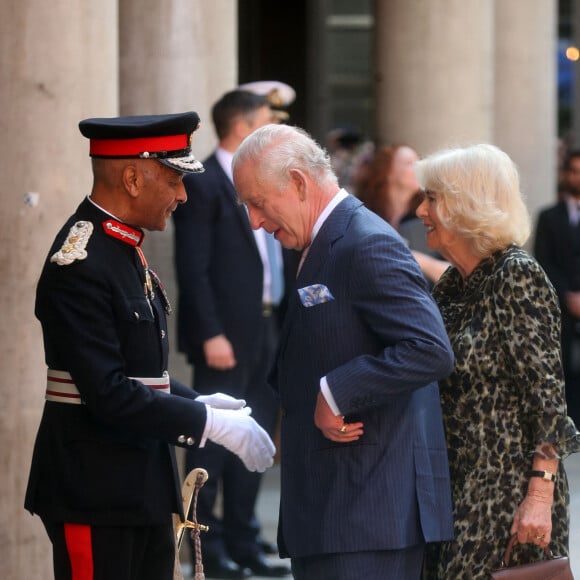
123,232
74,244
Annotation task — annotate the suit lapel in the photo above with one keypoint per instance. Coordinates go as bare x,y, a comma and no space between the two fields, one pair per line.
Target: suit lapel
332,230
564,225
232,197
242,213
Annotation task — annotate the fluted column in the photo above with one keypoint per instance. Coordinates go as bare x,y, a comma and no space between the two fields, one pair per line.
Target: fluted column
525,94
176,56
58,64
434,72
574,136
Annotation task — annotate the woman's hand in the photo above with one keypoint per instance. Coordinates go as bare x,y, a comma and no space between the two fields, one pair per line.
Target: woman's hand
533,520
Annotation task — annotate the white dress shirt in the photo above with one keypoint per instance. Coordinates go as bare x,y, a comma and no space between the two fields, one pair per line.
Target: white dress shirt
573,210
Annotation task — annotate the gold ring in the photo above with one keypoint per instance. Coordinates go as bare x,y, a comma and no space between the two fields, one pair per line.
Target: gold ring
541,537
343,429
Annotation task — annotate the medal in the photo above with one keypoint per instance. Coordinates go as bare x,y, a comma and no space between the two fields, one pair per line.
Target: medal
148,285
162,293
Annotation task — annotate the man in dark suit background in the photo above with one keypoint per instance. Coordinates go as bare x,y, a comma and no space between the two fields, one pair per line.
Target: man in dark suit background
230,288
365,479
557,248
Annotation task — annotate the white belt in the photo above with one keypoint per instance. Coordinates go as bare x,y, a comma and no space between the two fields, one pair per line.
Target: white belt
61,388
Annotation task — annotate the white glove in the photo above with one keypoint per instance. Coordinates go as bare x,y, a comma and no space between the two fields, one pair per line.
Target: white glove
240,434
221,401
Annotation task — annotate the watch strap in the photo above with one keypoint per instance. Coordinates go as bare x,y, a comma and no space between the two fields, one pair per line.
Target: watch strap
547,475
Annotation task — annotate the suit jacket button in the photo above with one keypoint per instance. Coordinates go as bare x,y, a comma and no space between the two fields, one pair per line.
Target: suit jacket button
283,412
190,440
181,439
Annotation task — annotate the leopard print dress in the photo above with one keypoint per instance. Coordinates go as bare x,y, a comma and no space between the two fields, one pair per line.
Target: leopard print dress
504,398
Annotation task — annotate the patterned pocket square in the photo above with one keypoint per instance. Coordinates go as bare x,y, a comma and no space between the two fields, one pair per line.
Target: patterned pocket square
315,294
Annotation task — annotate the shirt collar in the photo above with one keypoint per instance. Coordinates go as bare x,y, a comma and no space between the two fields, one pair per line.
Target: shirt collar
225,159
340,195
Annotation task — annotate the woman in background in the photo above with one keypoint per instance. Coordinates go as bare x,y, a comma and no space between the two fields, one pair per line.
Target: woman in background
388,186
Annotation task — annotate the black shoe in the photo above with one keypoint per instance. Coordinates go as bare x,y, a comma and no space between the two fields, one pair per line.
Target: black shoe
224,568
268,548
261,566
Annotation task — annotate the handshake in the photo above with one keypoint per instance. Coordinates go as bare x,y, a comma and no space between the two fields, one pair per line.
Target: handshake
229,424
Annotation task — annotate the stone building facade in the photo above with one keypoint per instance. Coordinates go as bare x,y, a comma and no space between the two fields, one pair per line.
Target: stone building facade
444,71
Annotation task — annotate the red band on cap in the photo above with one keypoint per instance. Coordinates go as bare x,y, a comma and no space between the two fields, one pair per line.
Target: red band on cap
134,147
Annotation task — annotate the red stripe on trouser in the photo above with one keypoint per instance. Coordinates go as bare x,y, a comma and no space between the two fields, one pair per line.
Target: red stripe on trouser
80,550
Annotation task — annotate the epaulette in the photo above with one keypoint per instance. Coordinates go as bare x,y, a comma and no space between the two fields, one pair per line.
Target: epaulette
74,245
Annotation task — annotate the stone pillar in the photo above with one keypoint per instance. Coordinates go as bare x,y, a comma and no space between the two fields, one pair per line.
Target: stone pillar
58,64
525,94
434,72
176,56
574,137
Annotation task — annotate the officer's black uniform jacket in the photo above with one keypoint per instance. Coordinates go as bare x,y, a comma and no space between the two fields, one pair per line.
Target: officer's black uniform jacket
110,460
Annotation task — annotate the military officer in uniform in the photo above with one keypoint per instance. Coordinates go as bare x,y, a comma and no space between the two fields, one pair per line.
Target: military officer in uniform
278,94
103,477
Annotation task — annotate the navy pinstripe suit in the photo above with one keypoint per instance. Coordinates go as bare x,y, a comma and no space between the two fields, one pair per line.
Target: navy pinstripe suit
382,345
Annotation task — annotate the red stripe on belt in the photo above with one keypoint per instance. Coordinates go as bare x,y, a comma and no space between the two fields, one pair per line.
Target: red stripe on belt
65,395
59,380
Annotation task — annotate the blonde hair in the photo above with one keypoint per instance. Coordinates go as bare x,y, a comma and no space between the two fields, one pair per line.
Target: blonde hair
478,196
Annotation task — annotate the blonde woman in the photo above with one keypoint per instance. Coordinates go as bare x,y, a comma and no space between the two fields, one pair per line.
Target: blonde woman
503,405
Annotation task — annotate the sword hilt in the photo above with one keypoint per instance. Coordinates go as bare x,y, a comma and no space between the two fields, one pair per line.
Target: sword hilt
192,525
191,486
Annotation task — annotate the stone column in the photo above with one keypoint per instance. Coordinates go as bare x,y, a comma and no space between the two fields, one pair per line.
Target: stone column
176,56
434,72
574,137
58,64
525,94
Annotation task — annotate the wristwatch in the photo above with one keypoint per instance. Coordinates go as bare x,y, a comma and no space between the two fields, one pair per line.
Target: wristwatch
547,475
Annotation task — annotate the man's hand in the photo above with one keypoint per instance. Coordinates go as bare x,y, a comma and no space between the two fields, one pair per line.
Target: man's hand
240,434
333,426
219,353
